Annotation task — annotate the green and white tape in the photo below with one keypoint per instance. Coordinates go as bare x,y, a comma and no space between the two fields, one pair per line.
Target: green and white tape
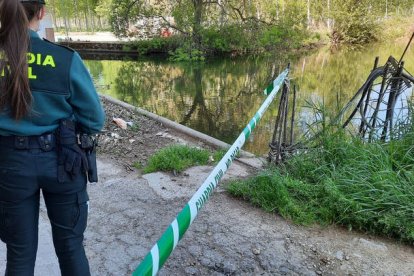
274,84
160,252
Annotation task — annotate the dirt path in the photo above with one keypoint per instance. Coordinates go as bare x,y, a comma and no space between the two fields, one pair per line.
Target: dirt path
130,211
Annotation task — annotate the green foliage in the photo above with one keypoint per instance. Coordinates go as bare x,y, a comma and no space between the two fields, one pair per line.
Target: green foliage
208,34
294,16
368,187
396,27
250,37
79,15
187,52
355,22
138,165
280,36
176,158
219,154
216,40
155,45
183,13
134,127
272,36
227,39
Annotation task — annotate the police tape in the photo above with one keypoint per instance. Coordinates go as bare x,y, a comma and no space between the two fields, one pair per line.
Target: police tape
160,252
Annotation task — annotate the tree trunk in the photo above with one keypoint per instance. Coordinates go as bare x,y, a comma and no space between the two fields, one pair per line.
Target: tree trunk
90,15
309,15
77,19
100,23
277,10
53,12
223,16
198,14
66,26
386,8
86,20
199,102
328,23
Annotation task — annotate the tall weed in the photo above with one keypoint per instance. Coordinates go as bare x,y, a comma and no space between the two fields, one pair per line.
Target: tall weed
368,187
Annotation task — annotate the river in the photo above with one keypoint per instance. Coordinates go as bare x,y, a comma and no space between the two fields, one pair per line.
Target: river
220,96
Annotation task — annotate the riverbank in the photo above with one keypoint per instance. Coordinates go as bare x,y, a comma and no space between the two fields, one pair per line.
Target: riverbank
229,237
105,45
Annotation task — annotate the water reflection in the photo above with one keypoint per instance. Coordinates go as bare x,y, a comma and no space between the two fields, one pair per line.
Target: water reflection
220,96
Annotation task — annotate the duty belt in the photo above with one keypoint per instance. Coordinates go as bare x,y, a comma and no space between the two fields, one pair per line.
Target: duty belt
46,142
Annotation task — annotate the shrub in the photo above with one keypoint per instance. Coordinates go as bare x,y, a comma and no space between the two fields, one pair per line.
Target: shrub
155,45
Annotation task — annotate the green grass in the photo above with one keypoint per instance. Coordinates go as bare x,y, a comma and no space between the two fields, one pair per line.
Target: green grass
367,187
397,27
178,158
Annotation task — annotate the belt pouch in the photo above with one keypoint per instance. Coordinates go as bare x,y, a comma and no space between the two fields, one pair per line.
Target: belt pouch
21,142
46,142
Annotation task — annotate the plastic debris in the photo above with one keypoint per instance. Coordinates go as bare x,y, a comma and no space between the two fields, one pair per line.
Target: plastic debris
119,122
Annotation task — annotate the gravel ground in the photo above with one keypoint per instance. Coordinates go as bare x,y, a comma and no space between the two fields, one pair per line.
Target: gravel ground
130,211
140,140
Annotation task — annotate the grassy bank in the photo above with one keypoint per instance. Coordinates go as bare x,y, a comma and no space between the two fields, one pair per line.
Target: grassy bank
367,187
177,158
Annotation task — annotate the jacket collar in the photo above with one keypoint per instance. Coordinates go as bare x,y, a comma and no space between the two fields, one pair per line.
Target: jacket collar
33,34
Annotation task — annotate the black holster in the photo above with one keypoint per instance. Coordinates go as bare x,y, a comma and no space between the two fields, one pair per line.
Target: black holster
76,152
88,145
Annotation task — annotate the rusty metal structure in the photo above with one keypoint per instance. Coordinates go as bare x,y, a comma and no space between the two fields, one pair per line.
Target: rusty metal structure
381,110
282,144
383,107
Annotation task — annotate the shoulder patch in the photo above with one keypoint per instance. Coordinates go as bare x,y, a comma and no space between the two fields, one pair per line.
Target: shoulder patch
60,45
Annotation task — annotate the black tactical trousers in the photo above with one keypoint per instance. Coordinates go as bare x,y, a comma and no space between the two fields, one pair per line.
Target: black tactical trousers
23,173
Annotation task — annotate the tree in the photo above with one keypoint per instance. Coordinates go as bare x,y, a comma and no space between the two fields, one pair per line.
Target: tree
354,22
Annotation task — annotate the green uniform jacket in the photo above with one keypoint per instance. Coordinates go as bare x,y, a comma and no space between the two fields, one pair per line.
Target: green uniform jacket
61,88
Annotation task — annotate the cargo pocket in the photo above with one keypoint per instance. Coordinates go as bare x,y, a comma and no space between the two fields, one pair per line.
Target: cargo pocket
82,212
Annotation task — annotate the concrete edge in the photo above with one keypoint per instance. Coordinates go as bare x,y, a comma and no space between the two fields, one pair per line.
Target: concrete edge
176,126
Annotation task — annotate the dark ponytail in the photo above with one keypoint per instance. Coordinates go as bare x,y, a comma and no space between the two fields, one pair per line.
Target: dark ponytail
14,42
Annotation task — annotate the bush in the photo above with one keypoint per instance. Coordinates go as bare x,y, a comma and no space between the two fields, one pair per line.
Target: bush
355,23
155,45
214,40
186,52
281,37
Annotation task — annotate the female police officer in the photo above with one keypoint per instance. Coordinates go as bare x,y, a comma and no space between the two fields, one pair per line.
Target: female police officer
40,84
